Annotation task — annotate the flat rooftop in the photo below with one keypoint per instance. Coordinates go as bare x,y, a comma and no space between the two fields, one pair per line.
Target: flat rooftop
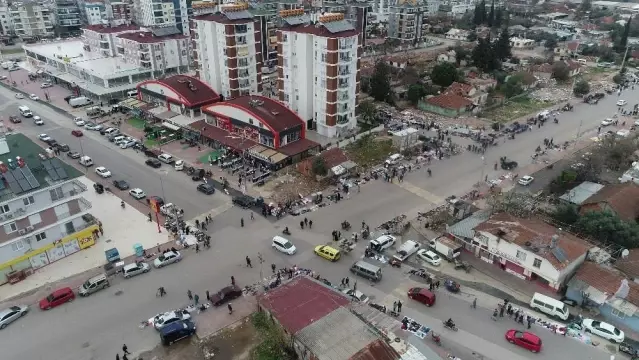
92,62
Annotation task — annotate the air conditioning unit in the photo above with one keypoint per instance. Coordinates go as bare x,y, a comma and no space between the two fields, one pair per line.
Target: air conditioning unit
22,232
30,228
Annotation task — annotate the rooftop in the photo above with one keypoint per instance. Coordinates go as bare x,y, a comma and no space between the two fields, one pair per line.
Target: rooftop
536,235
603,279
222,18
629,265
147,37
623,199
105,29
301,302
191,90
458,88
581,192
20,145
449,101
336,29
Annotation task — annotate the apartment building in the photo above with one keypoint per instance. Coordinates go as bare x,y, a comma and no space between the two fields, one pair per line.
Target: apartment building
162,50
95,12
68,18
103,38
5,20
156,13
43,215
228,51
119,13
406,20
318,70
31,20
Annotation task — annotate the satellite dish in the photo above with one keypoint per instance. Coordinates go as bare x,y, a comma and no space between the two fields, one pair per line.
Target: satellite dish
625,253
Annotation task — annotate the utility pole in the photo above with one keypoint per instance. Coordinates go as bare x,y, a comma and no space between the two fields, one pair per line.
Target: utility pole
261,260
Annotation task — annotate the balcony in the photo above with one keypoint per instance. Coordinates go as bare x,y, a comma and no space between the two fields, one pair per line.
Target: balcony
243,73
244,84
144,49
345,58
342,97
342,84
241,29
342,119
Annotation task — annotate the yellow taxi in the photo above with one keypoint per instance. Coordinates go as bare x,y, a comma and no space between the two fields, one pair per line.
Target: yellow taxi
327,252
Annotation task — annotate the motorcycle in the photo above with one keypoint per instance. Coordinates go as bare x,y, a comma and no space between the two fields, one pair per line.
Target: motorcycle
436,338
286,232
346,225
395,263
450,326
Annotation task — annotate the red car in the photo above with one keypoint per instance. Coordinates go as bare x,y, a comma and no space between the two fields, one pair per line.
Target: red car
422,295
527,340
57,298
76,133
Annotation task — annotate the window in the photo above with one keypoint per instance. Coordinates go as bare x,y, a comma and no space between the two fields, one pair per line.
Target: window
41,236
4,209
537,263
28,200
521,255
12,227
17,246
56,194
69,227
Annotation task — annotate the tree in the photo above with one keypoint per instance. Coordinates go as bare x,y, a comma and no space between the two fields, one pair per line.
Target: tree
483,56
498,18
460,54
581,87
502,46
606,227
319,166
551,43
477,16
491,17
472,36
444,74
512,87
560,71
380,87
415,93
368,113
566,214
623,42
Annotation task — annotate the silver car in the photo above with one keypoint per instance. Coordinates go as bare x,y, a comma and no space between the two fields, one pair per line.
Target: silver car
135,269
12,314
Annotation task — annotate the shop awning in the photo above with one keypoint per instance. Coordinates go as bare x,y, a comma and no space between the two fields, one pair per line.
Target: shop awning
157,111
170,126
166,114
183,120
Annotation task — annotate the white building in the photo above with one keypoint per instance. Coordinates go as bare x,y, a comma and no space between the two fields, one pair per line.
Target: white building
228,51
156,13
95,12
119,13
102,39
164,55
318,70
31,19
407,20
379,11
5,20
521,43
457,34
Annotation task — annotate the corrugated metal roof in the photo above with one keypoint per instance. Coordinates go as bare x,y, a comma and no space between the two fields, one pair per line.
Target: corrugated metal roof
337,336
465,228
582,192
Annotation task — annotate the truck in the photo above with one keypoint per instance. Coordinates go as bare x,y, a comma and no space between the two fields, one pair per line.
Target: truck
408,248
80,101
446,247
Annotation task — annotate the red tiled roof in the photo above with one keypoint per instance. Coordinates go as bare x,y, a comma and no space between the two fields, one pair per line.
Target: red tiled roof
301,302
147,37
320,31
630,264
200,95
377,350
333,157
275,114
573,45
103,29
533,230
606,280
449,101
458,88
222,19
572,65
222,136
623,199
298,147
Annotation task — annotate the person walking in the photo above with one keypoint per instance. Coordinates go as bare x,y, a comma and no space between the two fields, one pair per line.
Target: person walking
394,305
230,308
242,222
125,349
474,303
501,311
252,216
302,224
273,268
196,299
233,277
305,221
124,357
248,262
399,306
310,224
190,295
117,356
208,296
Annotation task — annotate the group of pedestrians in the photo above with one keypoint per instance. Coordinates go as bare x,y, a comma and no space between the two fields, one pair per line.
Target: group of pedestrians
517,315
126,352
306,223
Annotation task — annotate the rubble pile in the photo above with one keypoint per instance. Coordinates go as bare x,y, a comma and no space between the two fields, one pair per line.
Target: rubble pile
552,94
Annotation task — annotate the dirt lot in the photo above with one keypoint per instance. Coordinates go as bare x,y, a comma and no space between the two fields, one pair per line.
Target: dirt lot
232,343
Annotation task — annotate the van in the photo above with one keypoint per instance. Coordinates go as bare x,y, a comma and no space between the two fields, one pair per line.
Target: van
393,159
86,161
93,285
367,271
176,331
582,61
25,111
132,93
550,306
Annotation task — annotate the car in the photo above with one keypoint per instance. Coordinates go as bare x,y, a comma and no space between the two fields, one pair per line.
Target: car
7,316
225,295
98,127
154,163
15,119
383,242
606,122
134,269
327,252
206,188
107,129
77,133
429,256
34,97
121,184
162,320
14,68
525,180
63,147
127,144
636,122
74,154
137,193
79,121
90,126
52,143
3,77
19,96
176,331
621,103
604,330
356,295
422,295
283,245
102,172
244,201
38,120
158,200
169,208
165,158
167,258
44,137
45,85
57,298
525,339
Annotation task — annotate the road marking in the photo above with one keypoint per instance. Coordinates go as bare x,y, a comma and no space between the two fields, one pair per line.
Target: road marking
215,211
420,192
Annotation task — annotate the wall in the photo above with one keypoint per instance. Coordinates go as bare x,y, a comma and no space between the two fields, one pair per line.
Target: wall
631,322
210,44
237,114
422,105
160,89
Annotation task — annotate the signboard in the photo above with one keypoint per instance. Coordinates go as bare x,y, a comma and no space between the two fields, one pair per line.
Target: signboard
86,241
508,257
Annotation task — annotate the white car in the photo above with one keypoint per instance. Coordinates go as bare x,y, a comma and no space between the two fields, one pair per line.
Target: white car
167,258
429,256
137,193
134,269
44,137
356,295
7,316
103,172
162,320
636,122
607,122
79,122
45,85
98,127
603,330
383,242
38,120
90,126
283,245
34,97
167,209
525,180
165,158
127,144
621,103
19,96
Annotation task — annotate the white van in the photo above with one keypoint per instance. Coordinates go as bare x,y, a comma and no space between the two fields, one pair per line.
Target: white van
550,306
582,61
25,111
132,93
393,159
86,161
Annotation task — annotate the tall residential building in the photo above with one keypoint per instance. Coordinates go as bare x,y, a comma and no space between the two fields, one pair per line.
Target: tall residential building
406,20
5,20
157,51
68,18
228,51
379,11
318,70
103,38
95,12
31,20
156,13
119,13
